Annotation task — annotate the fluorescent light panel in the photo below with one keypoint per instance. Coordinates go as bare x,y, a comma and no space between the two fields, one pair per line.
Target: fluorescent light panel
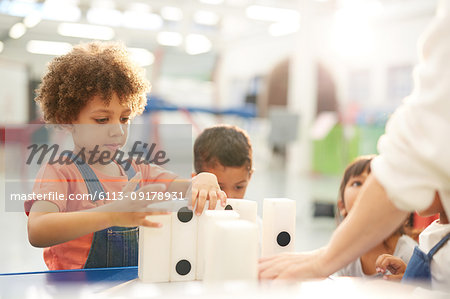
197,44
17,30
104,16
172,39
142,20
86,31
212,2
272,14
48,47
171,13
32,19
283,28
141,56
61,10
205,17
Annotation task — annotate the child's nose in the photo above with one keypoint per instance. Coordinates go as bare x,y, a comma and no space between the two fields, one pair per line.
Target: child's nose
116,130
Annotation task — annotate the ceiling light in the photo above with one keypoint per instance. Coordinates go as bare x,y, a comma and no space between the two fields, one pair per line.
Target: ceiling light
197,44
17,30
32,19
86,31
139,6
173,39
61,10
105,4
212,2
142,20
272,14
142,57
48,48
283,28
204,17
171,13
104,16
18,8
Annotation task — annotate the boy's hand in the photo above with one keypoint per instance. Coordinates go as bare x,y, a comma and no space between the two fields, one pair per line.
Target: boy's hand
393,264
205,187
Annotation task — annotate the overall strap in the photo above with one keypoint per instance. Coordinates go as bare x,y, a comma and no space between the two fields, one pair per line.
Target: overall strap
126,165
92,182
129,170
438,245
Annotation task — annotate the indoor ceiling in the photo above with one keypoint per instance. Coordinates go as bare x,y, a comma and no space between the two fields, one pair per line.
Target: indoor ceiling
190,32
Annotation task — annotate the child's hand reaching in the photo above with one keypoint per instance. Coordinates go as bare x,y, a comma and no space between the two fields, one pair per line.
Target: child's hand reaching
205,187
69,226
129,212
393,264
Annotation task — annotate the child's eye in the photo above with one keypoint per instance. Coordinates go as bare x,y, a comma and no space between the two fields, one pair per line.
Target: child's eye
124,119
101,120
356,184
239,187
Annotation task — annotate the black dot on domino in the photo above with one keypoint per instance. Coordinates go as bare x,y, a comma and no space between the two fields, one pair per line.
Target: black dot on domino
184,214
228,207
283,239
183,267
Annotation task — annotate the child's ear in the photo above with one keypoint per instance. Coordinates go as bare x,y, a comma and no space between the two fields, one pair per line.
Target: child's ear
250,173
341,207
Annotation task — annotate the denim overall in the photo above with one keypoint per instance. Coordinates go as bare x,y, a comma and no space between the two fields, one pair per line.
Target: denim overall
114,246
418,269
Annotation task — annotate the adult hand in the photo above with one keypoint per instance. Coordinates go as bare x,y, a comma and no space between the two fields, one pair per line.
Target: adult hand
292,266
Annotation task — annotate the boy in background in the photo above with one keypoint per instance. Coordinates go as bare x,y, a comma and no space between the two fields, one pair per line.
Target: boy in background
225,151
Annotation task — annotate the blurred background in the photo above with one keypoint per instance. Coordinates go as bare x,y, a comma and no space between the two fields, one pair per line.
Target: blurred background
312,81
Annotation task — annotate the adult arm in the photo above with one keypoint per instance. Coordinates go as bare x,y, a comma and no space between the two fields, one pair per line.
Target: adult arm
371,220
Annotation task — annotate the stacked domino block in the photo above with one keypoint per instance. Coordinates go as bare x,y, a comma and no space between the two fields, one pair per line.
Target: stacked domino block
278,226
219,245
206,222
184,247
247,209
232,251
154,250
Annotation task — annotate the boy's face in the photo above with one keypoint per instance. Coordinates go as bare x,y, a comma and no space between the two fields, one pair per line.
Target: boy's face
232,180
105,126
351,191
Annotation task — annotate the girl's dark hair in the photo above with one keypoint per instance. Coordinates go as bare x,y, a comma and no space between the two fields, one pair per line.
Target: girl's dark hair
356,168
223,144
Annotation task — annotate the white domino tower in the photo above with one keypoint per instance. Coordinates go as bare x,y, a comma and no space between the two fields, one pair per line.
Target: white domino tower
219,245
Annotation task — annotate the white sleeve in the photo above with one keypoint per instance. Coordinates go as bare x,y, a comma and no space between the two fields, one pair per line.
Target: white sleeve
414,158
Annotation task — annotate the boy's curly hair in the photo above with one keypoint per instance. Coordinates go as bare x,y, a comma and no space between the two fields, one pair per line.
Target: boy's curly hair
223,144
91,69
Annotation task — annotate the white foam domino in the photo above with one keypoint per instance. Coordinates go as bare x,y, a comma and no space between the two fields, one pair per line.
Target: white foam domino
184,245
278,226
247,209
154,250
231,251
204,224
